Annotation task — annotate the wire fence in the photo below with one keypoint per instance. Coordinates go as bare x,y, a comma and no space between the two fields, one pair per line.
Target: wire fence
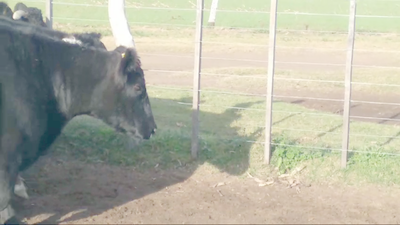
278,75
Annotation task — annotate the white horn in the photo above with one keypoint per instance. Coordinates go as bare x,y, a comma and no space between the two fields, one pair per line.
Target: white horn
119,23
19,14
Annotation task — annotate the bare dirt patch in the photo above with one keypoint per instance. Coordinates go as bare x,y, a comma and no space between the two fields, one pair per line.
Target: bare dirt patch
76,193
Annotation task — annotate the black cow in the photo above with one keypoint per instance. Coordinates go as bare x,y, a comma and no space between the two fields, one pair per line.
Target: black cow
34,16
31,15
47,82
87,39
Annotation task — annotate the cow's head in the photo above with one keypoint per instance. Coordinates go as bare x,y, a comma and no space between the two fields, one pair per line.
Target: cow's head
126,96
123,102
28,14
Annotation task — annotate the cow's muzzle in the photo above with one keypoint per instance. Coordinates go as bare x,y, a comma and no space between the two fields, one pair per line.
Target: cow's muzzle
153,132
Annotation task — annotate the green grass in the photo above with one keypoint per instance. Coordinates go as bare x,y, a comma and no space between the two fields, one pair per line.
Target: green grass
150,16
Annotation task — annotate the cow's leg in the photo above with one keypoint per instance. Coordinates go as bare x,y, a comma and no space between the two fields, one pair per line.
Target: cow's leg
7,216
7,213
11,144
6,210
8,177
13,221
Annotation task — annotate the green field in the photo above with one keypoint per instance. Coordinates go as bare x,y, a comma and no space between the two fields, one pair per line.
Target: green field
253,14
226,132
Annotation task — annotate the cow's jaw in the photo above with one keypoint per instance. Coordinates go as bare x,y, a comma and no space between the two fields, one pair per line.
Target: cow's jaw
122,126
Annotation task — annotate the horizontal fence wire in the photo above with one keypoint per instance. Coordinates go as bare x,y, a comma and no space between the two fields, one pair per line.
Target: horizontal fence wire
375,118
232,27
376,103
336,149
305,147
277,62
278,77
311,148
276,96
286,128
291,112
332,132
282,47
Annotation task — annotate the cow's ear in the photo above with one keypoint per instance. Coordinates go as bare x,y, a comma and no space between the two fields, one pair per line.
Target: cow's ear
130,62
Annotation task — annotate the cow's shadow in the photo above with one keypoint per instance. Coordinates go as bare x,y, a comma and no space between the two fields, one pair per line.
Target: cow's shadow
56,178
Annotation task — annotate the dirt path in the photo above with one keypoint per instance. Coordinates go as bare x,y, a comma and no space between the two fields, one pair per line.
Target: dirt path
379,111
189,196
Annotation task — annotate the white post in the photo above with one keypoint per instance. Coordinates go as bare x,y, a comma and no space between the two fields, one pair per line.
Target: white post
119,23
213,13
49,13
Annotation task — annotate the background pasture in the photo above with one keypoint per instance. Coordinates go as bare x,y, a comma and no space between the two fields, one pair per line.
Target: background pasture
309,87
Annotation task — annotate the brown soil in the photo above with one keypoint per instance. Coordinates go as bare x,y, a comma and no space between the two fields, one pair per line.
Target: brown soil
77,193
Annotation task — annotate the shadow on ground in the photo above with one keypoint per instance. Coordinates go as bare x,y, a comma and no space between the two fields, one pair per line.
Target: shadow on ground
83,174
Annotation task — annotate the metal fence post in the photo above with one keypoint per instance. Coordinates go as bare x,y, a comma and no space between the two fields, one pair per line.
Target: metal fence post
196,79
49,13
348,80
270,84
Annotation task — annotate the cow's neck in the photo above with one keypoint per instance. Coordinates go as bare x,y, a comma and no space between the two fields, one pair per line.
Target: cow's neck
79,90
73,97
69,102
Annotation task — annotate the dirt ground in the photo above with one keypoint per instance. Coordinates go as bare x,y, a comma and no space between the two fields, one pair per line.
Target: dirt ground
77,193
